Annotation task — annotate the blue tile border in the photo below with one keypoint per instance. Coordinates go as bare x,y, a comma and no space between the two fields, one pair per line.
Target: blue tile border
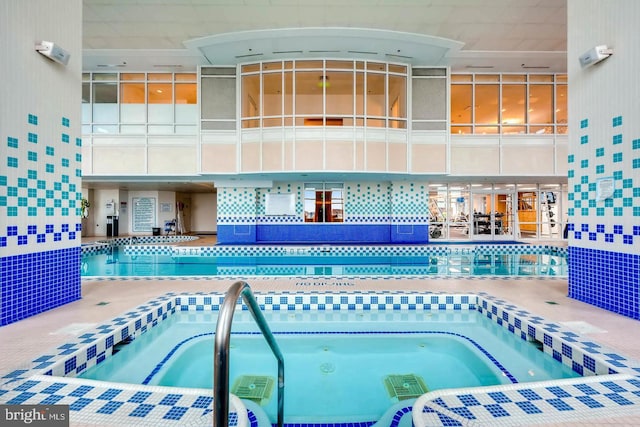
610,380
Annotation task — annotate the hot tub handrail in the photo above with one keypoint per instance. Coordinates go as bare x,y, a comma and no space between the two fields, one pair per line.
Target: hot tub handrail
221,352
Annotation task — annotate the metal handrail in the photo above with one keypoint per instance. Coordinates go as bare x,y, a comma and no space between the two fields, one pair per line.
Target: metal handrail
221,352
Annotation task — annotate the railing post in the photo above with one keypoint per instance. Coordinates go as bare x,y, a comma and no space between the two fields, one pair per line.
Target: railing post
221,352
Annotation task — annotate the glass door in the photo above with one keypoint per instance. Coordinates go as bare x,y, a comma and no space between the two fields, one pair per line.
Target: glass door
492,217
503,214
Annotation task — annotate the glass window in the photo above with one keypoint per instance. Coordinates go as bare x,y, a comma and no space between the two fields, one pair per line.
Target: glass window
535,108
541,104
186,93
163,77
375,95
250,68
272,89
132,93
360,95
288,93
323,202
486,104
327,93
461,130
461,78
540,78
395,68
132,76
105,76
376,66
458,212
340,65
437,211
339,93
487,78
513,130
309,92
561,105
514,78
461,102
160,93
105,93
487,130
251,95
397,97
272,66
86,93
186,77
513,104
309,64
105,106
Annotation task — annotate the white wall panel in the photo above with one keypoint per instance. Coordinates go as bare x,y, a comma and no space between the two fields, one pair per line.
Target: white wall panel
475,160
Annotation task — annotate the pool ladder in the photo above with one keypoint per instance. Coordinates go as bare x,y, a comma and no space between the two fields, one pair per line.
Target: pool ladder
221,352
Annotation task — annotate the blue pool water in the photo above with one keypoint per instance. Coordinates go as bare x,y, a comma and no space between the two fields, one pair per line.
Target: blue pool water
518,260
335,363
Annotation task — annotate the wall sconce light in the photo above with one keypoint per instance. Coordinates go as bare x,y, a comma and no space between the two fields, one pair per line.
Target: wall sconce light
53,52
595,55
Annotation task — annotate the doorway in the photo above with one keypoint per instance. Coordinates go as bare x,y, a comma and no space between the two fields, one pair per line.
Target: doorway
492,217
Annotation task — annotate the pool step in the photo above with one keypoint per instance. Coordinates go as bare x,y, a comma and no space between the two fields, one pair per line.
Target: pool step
405,386
257,388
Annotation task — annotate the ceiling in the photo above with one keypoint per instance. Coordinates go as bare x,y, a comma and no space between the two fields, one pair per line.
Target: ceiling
180,35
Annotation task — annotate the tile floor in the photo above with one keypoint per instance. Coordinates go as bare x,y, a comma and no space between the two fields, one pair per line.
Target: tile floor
103,300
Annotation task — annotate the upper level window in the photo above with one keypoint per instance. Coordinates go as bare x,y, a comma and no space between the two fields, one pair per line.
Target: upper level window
324,93
139,103
508,104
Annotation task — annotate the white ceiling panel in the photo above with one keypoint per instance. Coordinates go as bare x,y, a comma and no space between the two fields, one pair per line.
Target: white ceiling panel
480,25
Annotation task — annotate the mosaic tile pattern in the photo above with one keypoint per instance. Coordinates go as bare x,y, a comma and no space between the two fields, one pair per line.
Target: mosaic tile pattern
285,188
40,190
410,202
616,159
365,203
610,382
604,232
41,179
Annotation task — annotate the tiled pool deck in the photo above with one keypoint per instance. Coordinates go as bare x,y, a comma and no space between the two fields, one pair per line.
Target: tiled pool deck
598,342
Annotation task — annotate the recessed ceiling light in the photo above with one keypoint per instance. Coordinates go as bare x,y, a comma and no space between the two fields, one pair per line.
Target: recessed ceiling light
534,67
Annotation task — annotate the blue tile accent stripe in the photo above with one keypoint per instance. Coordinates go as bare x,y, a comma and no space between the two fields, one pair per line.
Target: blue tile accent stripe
606,279
44,274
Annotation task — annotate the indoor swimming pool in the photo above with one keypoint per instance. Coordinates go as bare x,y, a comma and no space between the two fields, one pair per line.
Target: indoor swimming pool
151,260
